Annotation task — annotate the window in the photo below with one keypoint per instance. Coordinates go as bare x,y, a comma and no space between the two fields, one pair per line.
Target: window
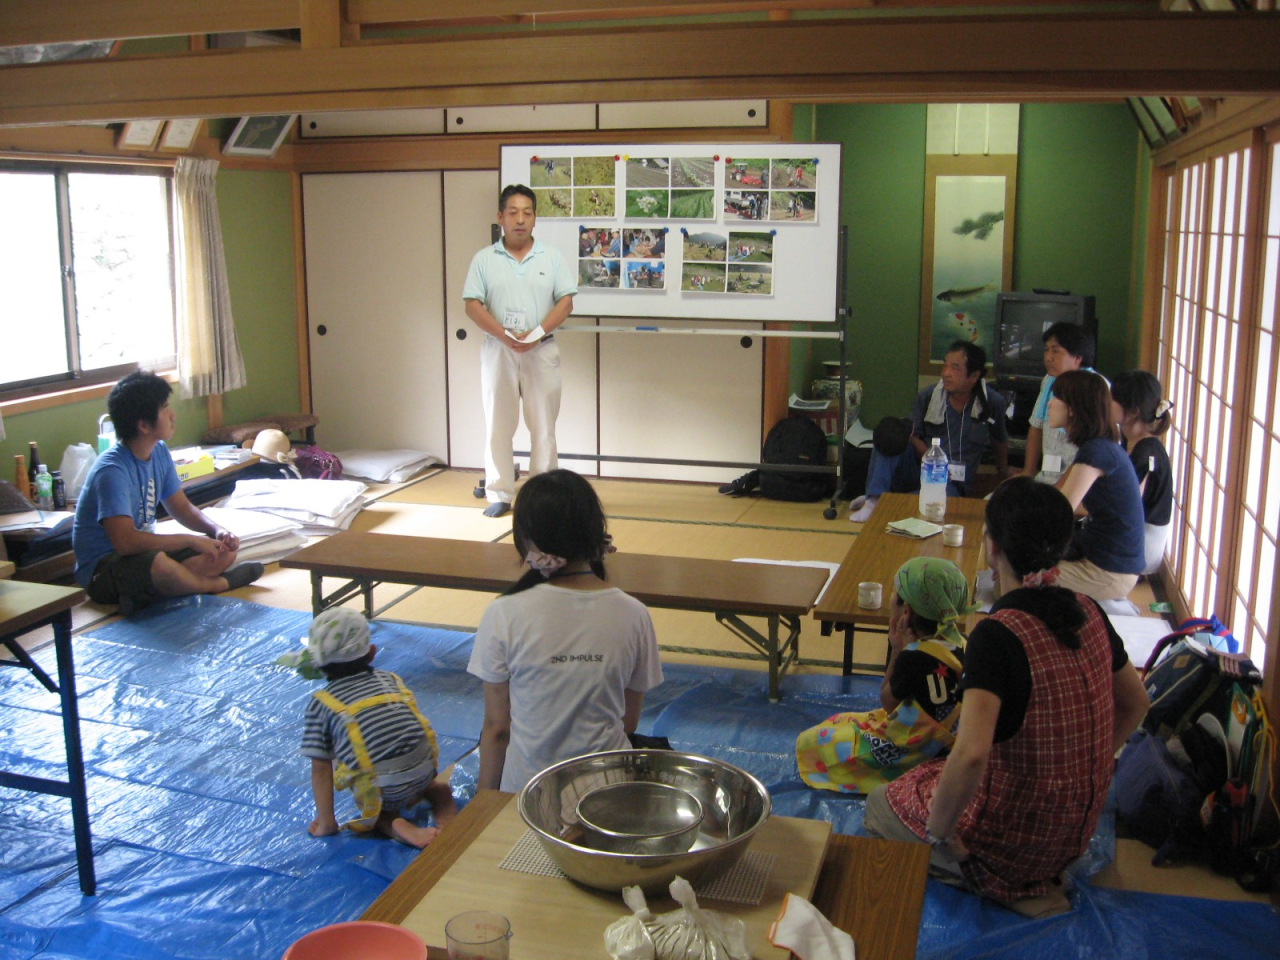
1218,363
86,275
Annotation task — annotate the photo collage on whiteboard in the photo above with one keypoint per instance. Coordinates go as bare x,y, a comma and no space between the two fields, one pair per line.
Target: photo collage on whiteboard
714,258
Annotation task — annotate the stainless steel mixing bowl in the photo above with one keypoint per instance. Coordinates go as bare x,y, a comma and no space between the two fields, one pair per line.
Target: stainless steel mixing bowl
639,817
734,805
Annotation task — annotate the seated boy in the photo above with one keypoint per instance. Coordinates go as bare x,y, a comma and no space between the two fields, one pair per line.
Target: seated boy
366,722
119,557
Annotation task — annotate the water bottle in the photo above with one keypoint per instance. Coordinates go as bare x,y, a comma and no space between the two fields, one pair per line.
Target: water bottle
933,483
44,489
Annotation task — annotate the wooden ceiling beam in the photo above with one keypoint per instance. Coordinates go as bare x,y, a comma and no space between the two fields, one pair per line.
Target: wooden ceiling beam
980,58
69,21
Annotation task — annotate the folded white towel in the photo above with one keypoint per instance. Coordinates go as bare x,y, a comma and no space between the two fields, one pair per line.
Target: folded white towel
803,930
325,498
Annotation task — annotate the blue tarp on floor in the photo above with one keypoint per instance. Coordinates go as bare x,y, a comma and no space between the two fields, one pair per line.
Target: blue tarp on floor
199,800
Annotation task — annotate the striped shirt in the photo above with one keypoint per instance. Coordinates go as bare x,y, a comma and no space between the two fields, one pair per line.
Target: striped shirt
390,730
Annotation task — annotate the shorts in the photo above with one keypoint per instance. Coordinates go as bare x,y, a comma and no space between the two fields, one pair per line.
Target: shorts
116,578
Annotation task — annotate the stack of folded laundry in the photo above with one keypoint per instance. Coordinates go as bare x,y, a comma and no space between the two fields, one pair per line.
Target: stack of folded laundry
264,537
319,507
385,466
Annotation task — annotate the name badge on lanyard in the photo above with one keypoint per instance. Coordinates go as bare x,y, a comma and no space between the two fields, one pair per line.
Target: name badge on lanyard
955,472
516,321
1052,463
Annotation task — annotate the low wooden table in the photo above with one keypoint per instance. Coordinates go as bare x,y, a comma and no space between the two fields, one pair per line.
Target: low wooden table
876,556
726,588
25,607
873,889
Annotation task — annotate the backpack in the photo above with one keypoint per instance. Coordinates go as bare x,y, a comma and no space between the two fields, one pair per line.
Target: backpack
316,464
797,440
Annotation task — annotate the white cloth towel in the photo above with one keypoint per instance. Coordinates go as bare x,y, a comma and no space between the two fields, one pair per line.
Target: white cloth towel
936,412
382,466
803,930
324,498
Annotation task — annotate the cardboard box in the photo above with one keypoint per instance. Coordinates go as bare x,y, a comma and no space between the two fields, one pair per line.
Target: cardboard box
199,467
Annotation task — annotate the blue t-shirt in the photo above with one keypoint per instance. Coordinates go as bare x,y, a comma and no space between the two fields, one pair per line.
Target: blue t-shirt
119,485
1112,537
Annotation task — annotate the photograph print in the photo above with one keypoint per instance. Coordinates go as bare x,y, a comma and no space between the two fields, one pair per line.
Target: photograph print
705,246
752,279
600,242
644,243
593,202
645,172
703,278
594,172
652,204
742,174
750,247
550,172
693,205
644,275
799,174
794,206
693,172
746,204
599,274
553,202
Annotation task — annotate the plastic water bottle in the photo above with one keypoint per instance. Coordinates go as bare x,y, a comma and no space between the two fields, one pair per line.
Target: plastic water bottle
44,488
933,482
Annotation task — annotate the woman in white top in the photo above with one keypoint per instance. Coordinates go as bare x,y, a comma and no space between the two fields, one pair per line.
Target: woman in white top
565,657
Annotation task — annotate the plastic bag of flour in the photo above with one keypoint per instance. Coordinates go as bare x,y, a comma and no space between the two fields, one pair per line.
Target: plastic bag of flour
628,938
692,933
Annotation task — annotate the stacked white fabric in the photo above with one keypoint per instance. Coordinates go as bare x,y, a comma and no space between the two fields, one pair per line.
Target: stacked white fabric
385,466
263,536
319,507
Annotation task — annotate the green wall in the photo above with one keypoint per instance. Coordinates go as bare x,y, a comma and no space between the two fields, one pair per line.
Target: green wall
1074,229
257,225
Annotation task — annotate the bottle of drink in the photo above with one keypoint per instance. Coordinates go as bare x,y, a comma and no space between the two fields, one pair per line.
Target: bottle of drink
59,491
33,465
20,475
933,483
44,489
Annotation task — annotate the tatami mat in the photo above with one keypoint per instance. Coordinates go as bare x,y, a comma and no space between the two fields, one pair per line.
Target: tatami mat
431,520
1132,870
446,487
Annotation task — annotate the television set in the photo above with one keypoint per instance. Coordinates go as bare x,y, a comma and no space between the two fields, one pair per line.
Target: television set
1022,319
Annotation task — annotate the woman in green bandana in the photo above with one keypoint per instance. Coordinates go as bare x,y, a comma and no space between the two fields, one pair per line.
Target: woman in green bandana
920,704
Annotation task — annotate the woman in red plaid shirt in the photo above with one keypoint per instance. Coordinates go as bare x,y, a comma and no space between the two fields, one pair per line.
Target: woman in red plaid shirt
1049,697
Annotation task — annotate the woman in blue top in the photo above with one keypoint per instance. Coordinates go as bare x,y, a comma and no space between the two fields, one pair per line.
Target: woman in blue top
1107,552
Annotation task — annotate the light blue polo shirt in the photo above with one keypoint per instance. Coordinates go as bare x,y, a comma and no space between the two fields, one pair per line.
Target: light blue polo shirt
531,286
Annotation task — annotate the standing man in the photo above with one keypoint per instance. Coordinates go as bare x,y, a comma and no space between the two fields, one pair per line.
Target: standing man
518,291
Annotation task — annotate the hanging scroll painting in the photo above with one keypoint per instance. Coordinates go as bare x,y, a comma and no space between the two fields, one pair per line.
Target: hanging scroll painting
968,256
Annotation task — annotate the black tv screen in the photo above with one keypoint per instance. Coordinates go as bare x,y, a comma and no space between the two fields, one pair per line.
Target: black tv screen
1022,319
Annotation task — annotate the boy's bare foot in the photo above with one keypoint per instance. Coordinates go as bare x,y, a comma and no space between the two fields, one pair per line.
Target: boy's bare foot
440,797
411,834
318,829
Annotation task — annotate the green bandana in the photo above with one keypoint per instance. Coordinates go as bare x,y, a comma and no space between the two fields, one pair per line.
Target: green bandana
936,590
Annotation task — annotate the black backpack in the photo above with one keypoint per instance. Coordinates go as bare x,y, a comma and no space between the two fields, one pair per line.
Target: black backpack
797,440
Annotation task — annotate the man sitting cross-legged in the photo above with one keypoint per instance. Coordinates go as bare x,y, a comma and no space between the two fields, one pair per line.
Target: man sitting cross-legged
119,557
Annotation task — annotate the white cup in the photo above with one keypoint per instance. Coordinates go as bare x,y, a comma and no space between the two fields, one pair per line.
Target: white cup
477,935
953,534
869,595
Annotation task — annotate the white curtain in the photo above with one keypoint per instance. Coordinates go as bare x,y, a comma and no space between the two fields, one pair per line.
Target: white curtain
209,359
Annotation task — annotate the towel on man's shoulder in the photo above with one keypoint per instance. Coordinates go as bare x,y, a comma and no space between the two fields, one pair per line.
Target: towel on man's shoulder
937,409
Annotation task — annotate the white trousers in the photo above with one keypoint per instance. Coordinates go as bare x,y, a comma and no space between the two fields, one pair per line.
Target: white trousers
507,379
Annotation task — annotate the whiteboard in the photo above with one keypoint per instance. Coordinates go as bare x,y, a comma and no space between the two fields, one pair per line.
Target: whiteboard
780,250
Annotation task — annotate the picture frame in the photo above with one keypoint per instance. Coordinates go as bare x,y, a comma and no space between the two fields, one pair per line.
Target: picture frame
139,135
259,136
180,135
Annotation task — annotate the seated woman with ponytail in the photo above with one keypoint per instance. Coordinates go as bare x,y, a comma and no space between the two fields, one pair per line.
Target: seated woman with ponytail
565,657
1049,697
920,709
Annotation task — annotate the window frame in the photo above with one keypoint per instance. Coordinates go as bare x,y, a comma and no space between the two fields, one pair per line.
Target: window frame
74,378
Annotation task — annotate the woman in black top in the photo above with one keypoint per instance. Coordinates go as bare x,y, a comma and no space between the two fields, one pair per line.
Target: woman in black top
1143,416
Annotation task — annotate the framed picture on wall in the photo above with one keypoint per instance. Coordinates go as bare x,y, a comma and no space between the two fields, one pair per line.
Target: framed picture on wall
180,135
258,136
139,135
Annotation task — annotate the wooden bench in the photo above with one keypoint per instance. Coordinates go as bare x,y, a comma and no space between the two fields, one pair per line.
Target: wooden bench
729,590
